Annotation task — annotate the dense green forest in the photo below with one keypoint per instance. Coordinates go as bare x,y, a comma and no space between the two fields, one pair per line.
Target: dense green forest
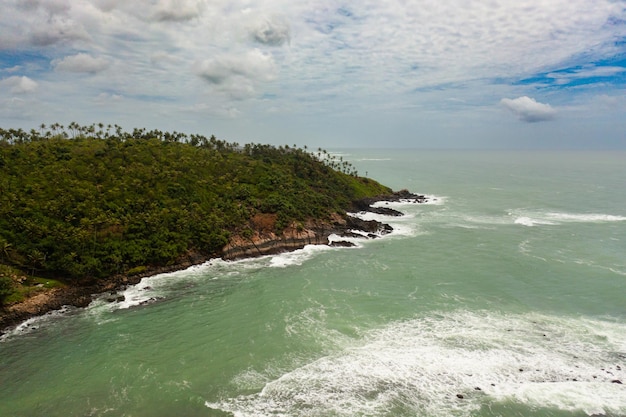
87,202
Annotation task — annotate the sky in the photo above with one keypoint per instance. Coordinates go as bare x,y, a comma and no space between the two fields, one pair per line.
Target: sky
432,74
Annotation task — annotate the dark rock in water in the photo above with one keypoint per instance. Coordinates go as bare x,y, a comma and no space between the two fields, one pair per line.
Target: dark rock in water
352,234
365,204
342,244
81,301
369,226
385,211
150,300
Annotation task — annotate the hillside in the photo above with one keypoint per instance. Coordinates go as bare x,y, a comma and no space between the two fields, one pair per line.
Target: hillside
86,203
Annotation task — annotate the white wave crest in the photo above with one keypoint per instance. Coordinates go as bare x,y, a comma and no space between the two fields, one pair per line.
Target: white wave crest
538,218
585,218
454,364
530,222
431,199
297,257
33,324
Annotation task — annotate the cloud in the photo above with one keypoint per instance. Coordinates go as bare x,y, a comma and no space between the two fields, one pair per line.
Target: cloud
177,10
19,85
80,63
15,68
50,6
108,98
272,31
529,110
237,75
58,30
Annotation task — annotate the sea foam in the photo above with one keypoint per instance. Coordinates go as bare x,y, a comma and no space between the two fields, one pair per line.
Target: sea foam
33,324
454,364
537,218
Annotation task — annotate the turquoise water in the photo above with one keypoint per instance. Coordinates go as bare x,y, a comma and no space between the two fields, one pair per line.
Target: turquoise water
507,289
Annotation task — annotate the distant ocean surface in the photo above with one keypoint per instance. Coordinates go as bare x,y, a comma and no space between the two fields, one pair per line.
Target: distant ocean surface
505,295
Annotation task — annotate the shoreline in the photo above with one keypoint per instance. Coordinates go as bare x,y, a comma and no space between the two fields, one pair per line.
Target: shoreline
263,242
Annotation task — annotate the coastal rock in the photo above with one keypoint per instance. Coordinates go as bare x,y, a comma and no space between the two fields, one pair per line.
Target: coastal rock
342,244
265,241
365,204
262,239
369,226
385,211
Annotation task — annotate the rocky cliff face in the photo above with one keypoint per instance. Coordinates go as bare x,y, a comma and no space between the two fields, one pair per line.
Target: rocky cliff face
263,240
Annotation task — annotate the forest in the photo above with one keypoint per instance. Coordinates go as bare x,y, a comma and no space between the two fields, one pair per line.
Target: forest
81,203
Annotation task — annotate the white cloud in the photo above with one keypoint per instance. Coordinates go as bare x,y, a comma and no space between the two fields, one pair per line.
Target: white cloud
56,30
80,63
177,10
592,72
19,85
15,68
272,31
105,98
529,110
237,74
50,6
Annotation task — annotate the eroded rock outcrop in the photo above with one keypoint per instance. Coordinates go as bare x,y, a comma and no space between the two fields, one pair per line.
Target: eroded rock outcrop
262,239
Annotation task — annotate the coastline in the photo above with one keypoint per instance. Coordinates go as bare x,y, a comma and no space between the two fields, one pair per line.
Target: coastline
263,241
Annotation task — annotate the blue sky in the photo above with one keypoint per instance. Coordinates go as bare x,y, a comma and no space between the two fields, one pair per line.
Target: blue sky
400,73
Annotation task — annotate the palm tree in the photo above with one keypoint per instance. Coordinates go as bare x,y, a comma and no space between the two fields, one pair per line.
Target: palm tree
74,127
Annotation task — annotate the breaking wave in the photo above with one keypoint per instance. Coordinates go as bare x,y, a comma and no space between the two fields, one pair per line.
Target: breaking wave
455,364
539,218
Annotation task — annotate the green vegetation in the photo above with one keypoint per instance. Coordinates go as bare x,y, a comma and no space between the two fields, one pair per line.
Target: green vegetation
84,203
15,286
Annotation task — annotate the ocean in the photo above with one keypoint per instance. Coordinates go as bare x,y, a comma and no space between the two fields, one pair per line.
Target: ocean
504,295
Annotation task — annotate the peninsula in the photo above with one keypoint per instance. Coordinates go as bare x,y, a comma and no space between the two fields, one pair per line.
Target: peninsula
90,209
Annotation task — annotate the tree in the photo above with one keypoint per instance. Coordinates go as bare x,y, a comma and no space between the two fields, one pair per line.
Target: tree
5,248
6,288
